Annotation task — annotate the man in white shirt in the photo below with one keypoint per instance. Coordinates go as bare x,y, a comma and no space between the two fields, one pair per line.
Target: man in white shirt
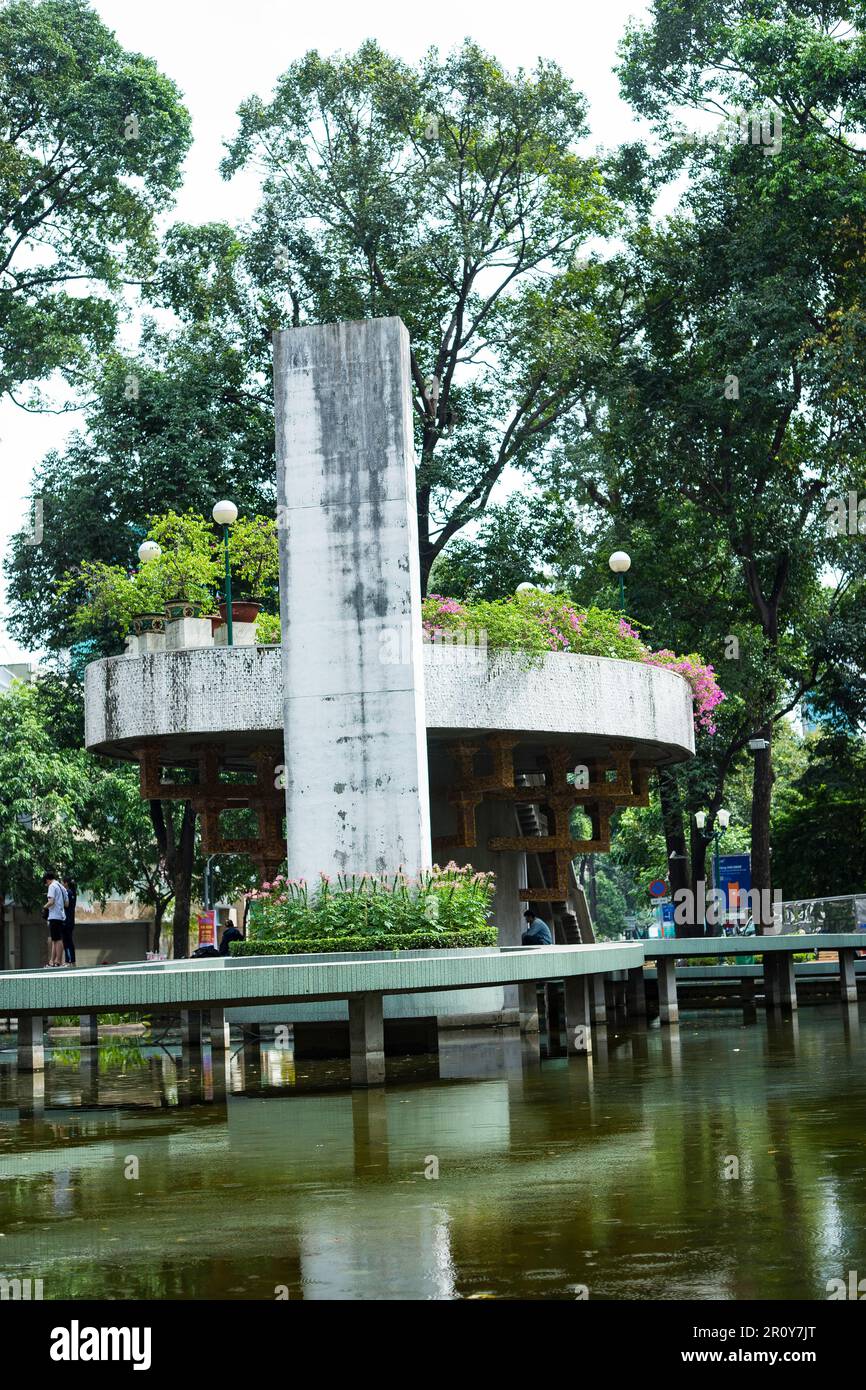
55,910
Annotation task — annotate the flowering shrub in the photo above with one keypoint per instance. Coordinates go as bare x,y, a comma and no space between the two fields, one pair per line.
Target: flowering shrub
537,622
439,904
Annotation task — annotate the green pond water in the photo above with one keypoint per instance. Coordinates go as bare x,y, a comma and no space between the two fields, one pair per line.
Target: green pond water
117,1180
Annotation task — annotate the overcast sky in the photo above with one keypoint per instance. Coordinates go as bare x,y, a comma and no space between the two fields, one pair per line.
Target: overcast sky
219,52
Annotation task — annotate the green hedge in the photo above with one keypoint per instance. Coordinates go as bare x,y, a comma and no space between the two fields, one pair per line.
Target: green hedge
393,941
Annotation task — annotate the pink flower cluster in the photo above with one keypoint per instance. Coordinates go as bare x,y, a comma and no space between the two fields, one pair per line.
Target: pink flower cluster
702,680
448,606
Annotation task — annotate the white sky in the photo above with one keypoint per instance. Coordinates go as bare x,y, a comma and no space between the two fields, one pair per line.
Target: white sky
219,52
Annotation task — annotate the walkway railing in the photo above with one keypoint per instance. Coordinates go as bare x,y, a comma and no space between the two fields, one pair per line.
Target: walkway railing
840,914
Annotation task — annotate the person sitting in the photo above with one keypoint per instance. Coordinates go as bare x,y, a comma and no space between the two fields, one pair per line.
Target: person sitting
536,931
230,934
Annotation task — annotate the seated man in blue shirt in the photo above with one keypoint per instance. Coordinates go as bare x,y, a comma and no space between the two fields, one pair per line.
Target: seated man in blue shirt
536,932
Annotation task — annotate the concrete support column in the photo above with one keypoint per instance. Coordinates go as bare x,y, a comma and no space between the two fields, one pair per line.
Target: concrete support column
190,1029
89,1030
597,1005
771,982
669,1009
847,977
787,980
366,1040
31,1042
527,995
636,993
614,992
220,1032
252,1045
577,1015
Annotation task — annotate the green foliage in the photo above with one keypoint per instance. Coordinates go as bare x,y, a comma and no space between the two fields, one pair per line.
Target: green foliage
92,139
268,629
254,555
109,597
419,940
820,828
448,193
187,420
437,904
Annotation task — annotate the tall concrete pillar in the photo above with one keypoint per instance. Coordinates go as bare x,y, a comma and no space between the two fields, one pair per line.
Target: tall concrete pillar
366,1040
357,798
669,1009
577,1015
31,1042
847,977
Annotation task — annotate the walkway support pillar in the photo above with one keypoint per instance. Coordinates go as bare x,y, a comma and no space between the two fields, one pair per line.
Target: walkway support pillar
31,1042
527,1004
787,981
597,1005
636,993
252,1044
669,1009
847,977
190,1029
577,1015
771,982
89,1030
220,1032
366,1040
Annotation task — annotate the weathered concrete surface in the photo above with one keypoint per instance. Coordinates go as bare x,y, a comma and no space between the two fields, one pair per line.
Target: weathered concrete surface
353,708
208,692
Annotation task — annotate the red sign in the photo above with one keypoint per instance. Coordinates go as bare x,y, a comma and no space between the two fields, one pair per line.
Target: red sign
206,928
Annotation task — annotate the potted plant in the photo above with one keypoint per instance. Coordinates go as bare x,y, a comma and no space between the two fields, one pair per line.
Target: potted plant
109,595
255,560
188,565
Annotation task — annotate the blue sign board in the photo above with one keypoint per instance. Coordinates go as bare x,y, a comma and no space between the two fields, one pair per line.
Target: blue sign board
735,881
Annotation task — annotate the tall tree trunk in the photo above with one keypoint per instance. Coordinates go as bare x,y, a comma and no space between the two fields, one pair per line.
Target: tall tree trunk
178,854
762,791
159,914
675,838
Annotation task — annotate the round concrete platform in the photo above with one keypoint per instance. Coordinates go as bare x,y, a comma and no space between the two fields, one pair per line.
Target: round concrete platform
235,694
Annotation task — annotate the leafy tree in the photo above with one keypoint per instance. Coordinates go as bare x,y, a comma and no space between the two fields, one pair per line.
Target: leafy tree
176,428
735,411
449,194
44,787
92,139
820,833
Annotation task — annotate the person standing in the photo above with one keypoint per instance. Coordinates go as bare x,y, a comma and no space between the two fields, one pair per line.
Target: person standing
69,925
55,908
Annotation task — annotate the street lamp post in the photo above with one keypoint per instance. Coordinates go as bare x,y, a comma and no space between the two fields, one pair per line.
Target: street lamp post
225,514
723,819
620,563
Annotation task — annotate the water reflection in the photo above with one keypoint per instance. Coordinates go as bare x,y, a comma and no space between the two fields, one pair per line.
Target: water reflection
501,1170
